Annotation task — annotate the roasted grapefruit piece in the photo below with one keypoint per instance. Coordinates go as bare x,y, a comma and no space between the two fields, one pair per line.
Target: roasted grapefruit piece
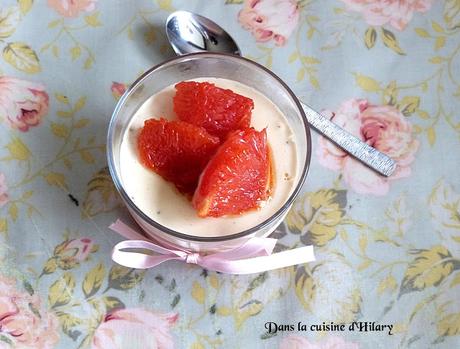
237,178
176,150
218,110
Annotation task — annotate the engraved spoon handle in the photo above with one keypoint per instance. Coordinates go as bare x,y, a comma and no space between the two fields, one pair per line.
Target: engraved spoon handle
360,150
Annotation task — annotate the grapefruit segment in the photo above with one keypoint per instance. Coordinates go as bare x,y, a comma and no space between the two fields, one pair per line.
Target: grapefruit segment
176,150
237,178
218,110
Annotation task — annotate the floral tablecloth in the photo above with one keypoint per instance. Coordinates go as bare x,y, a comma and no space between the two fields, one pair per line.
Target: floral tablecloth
387,273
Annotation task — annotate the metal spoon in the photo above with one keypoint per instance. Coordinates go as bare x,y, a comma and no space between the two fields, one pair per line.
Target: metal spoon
189,33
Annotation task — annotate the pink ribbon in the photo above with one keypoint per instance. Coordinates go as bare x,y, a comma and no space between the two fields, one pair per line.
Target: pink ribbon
254,256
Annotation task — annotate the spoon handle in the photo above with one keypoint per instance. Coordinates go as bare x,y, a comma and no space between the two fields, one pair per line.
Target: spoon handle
360,150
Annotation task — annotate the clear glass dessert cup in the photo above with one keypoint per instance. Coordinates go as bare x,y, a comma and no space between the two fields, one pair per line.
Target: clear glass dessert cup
205,65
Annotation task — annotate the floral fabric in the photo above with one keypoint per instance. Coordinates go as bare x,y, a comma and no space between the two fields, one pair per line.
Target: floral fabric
388,248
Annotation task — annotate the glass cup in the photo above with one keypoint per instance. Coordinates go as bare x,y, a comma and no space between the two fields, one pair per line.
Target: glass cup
201,65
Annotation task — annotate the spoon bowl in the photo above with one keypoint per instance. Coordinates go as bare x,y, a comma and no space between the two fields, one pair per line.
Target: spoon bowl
191,33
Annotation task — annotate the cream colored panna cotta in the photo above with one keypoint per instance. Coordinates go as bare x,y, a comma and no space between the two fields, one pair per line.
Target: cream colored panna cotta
163,203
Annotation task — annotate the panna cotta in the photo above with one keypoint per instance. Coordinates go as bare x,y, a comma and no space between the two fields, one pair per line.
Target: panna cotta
163,203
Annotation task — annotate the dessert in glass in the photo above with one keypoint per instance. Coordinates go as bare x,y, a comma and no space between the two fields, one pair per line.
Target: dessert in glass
172,213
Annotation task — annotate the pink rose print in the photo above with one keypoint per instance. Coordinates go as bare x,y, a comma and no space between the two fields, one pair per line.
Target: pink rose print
382,127
21,320
3,190
397,13
118,89
150,329
72,252
72,8
270,19
22,103
78,249
333,342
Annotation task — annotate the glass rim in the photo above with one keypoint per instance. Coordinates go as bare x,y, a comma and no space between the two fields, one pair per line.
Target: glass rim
127,200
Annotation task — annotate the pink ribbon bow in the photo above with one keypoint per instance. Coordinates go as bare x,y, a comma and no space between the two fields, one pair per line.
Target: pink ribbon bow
254,256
